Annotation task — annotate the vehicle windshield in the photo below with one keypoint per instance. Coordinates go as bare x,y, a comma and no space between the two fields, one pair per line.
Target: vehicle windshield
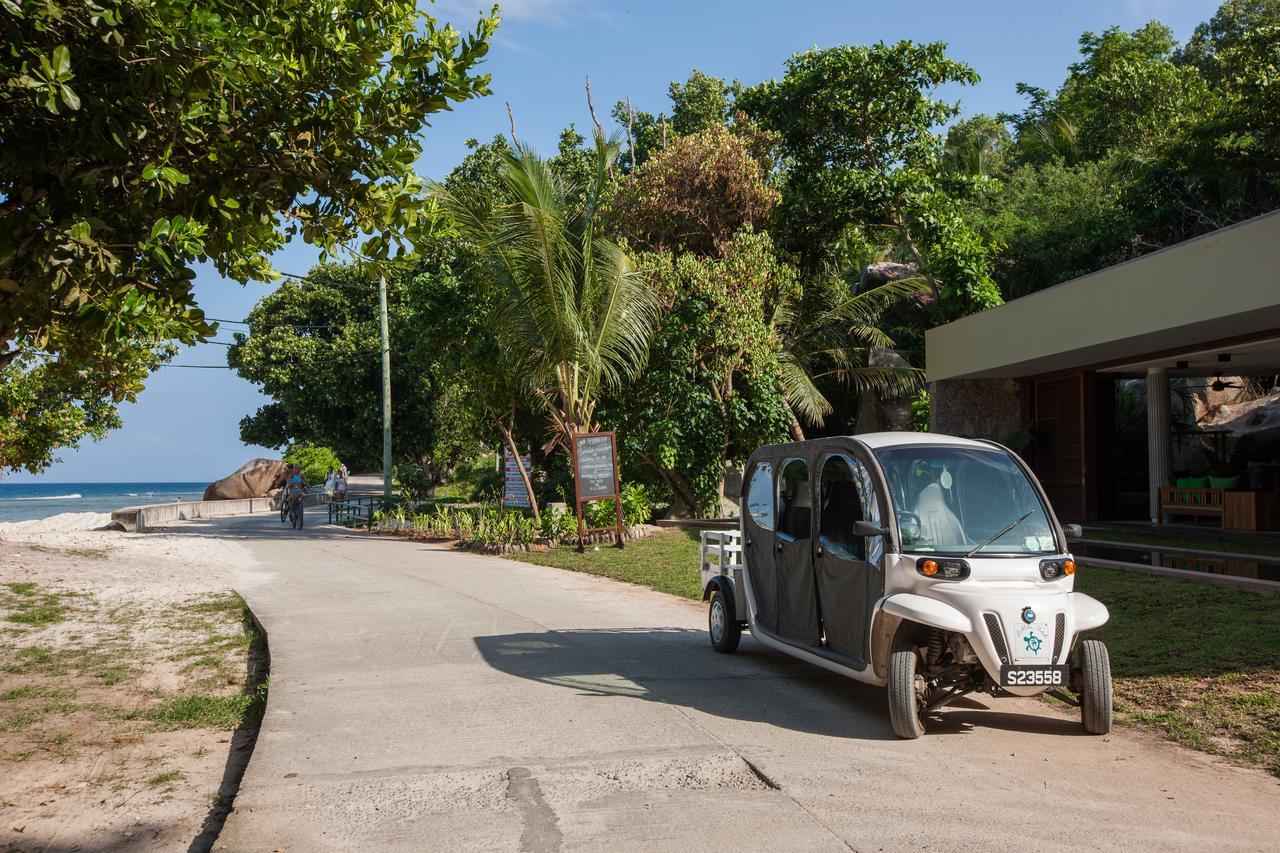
950,500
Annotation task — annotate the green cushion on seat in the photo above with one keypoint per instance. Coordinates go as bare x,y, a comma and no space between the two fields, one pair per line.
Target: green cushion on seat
1198,482
1183,483
1224,482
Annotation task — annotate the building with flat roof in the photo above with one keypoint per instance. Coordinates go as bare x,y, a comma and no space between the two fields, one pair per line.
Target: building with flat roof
1055,373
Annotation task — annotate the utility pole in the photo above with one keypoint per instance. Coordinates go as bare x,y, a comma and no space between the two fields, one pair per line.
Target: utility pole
386,389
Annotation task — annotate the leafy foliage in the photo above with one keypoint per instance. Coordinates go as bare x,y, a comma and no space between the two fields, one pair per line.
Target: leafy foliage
314,347
714,394
315,461
857,137
142,137
571,314
694,195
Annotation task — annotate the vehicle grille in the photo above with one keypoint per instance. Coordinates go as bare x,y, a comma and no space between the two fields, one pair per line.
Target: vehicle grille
1059,636
997,636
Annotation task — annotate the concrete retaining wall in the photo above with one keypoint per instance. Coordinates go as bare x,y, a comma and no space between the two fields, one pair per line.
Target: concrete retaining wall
137,519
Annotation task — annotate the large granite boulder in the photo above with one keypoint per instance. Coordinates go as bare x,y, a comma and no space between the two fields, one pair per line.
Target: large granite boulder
255,479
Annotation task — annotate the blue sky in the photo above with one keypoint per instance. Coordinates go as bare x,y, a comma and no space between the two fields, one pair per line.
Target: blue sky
185,425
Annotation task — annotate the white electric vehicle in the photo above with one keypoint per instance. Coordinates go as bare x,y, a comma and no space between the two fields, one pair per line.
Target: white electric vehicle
929,565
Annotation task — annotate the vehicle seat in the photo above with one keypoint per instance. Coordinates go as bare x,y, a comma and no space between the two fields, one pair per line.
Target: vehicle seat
796,517
938,524
842,509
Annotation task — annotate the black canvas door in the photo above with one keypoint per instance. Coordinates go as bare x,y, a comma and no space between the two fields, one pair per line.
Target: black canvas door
797,597
759,543
848,568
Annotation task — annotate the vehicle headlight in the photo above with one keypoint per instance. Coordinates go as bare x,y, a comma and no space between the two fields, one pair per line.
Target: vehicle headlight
1052,570
941,568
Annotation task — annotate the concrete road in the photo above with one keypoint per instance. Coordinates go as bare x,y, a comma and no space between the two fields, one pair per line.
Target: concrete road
424,699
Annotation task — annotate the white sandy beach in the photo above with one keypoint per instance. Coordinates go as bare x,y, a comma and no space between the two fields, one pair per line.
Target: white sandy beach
72,776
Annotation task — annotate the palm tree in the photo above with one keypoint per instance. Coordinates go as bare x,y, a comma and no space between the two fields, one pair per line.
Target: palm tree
573,315
833,340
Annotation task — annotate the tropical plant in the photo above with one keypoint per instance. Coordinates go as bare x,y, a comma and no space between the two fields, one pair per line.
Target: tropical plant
571,313
142,137
830,337
559,525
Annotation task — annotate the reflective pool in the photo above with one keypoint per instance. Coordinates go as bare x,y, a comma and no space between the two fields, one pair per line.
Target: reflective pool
1259,568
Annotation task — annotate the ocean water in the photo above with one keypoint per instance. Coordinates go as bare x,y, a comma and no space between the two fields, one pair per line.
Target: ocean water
26,501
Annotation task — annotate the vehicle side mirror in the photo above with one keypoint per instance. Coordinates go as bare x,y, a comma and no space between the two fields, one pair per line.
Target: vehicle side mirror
866,528
1073,531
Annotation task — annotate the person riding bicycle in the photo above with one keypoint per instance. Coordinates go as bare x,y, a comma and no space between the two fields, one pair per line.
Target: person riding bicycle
295,487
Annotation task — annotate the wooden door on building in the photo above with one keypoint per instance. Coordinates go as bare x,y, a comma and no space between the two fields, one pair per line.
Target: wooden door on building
1061,444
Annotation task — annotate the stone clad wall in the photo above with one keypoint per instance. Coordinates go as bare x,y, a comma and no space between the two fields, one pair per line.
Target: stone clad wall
976,408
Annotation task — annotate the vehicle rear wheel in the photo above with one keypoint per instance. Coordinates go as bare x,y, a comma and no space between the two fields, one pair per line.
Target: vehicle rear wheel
722,624
1095,687
906,692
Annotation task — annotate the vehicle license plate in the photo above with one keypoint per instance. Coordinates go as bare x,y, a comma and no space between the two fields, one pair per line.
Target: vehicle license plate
1033,676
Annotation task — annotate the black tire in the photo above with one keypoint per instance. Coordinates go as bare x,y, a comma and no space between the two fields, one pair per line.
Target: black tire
1095,687
906,709
722,624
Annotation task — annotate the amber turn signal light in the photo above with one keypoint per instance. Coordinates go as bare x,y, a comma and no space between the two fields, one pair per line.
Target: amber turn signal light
1069,567
929,568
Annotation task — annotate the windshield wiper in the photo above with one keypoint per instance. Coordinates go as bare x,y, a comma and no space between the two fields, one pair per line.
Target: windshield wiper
1024,517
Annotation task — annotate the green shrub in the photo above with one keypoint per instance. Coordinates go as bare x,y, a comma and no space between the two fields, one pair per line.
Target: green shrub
414,484
315,461
559,525
475,480
637,508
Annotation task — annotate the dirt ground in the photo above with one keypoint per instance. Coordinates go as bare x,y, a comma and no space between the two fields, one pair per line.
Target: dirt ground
123,665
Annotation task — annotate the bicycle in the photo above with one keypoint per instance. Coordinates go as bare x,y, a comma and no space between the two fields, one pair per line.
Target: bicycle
295,513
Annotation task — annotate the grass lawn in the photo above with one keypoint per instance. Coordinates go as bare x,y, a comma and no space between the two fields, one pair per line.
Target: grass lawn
666,561
1197,663
1186,540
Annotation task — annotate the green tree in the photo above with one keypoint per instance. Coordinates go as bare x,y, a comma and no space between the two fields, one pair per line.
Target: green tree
314,348
856,125
571,313
1054,222
712,393
141,137
1234,24
315,461
694,195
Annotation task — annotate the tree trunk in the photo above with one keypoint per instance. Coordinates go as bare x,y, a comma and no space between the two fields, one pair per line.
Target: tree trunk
797,431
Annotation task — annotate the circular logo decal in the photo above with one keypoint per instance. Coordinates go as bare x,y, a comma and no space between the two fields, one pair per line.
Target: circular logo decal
1028,615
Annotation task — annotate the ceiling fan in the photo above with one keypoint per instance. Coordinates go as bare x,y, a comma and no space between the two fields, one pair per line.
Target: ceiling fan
1219,385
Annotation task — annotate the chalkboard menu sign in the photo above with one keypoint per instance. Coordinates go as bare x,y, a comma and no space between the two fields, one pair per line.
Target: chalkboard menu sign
595,472
595,457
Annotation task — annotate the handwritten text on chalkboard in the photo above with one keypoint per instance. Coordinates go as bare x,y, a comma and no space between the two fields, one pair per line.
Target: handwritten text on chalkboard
596,476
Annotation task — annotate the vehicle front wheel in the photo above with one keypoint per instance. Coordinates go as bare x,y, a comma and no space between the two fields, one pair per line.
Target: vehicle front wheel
906,692
1095,687
722,624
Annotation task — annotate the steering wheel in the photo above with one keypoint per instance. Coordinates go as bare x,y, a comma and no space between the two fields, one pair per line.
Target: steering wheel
909,526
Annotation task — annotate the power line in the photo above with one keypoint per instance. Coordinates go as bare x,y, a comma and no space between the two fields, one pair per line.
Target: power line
327,282
254,323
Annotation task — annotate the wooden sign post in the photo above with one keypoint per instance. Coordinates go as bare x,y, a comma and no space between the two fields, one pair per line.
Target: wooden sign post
595,477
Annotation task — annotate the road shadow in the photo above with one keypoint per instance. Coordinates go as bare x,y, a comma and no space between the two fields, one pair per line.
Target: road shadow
676,666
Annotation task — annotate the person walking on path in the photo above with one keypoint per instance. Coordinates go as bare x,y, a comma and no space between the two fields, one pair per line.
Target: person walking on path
329,482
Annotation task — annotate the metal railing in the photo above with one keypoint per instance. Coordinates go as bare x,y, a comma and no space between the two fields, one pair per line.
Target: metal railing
358,510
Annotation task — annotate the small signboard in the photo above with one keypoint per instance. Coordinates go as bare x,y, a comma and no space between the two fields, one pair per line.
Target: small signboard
514,492
595,474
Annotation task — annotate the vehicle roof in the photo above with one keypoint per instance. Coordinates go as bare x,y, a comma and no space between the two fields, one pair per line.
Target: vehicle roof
877,440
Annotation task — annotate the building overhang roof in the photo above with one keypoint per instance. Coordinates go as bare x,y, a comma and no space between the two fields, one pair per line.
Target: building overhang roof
1221,287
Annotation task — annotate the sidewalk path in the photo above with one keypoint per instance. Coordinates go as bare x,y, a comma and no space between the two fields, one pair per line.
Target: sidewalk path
423,699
